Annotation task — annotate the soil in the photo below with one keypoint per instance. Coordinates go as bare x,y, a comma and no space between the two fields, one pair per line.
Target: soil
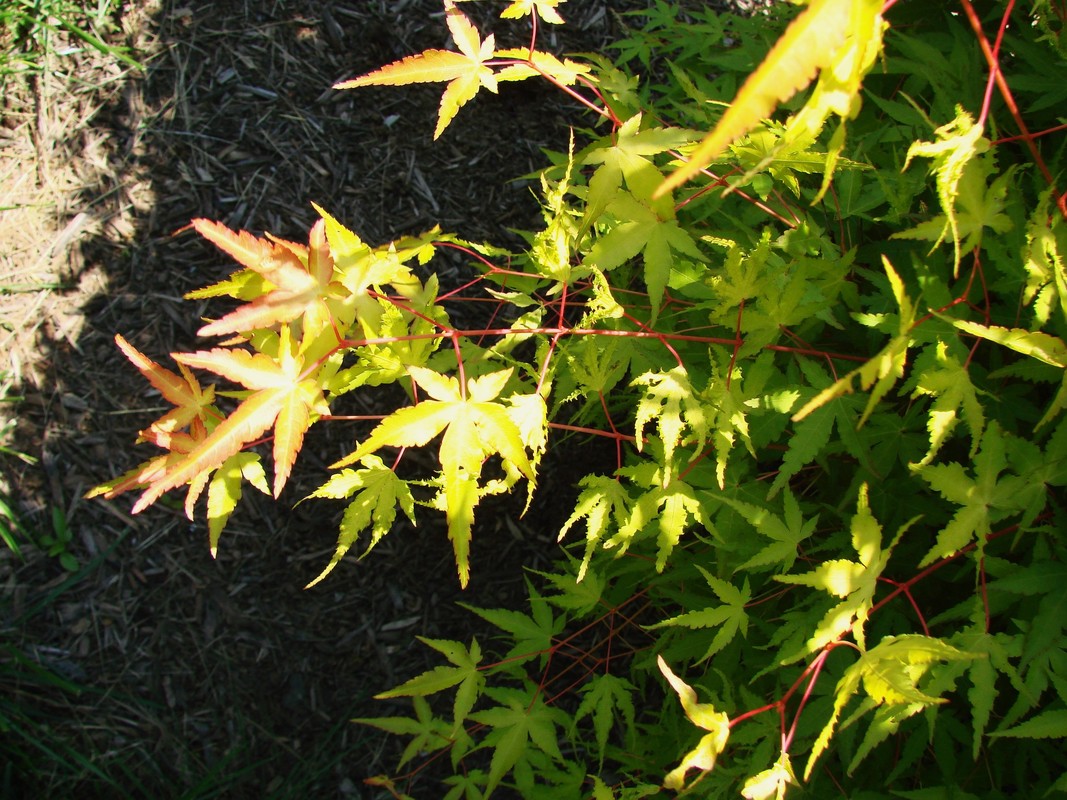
225,677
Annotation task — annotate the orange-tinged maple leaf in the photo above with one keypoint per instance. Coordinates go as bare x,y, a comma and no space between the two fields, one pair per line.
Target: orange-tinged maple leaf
179,444
282,397
466,71
300,281
184,391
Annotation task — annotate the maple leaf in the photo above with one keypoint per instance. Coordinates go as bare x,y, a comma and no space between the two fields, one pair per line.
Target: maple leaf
730,617
177,446
475,427
629,159
843,34
291,291
889,673
465,674
670,400
881,372
466,71
704,716
225,489
951,385
193,404
1046,261
537,62
606,698
532,633
958,142
604,504
785,534
282,397
379,492
671,506
1035,344
771,782
642,230
982,500
545,9
853,582
725,410
976,207
430,733
516,724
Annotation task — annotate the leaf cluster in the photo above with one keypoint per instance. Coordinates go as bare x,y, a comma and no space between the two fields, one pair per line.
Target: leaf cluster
809,281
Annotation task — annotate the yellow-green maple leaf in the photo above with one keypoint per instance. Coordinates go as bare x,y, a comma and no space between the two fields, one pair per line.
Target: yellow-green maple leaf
839,36
465,72
1045,261
545,9
951,385
890,674
881,372
475,426
378,491
671,401
853,582
958,143
704,716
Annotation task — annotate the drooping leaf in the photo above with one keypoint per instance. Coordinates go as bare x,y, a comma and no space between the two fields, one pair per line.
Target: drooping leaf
885,369
475,426
772,782
1045,261
464,673
976,207
672,403
704,716
982,499
193,404
641,230
951,385
785,534
604,504
672,507
958,142
532,633
430,733
225,489
516,725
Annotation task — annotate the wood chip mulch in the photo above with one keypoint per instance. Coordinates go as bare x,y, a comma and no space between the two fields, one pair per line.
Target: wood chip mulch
227,672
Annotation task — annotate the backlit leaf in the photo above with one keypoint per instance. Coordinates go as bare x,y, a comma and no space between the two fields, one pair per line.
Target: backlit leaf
465,72
703,715
378,492
811,42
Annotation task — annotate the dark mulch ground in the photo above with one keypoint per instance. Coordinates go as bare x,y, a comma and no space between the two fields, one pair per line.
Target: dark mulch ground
194,667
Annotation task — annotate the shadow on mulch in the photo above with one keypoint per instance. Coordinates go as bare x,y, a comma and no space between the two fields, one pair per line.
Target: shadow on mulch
198,677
